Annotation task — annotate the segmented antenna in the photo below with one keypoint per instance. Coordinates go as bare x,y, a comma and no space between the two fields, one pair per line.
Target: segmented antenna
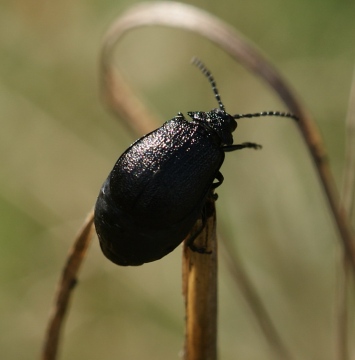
212,81
266,113
210,78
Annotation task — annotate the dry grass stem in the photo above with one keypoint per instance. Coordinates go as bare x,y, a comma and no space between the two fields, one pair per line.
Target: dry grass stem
65,287
200,291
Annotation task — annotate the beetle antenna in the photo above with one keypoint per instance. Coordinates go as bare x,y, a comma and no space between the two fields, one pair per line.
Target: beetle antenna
266,113
210,78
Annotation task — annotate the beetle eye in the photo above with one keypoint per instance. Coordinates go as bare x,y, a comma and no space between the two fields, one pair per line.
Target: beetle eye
233,123
230,121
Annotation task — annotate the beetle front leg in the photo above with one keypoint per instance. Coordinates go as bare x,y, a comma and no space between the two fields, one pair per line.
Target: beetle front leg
192,238
235,147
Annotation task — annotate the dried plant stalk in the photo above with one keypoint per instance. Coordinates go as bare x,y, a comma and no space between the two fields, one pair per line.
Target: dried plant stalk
65,287
200,291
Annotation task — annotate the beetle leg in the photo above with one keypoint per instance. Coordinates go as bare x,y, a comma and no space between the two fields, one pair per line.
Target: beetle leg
220,179
190,241
249,145
192,246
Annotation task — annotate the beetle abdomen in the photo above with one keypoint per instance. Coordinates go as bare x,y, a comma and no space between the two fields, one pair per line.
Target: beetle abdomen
126,241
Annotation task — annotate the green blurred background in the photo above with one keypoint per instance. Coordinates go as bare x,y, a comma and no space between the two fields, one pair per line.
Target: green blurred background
58,142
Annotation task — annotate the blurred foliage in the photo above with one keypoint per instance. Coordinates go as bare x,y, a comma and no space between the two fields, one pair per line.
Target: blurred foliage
58,143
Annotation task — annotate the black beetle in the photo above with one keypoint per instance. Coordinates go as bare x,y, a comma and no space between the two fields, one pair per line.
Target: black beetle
159,187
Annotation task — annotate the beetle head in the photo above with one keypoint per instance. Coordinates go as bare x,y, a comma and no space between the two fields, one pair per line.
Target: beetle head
217,120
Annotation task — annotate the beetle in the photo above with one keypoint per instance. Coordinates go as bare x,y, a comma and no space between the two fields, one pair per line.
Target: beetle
160,185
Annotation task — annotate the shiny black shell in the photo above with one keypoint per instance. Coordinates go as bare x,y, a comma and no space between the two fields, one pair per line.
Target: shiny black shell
157,190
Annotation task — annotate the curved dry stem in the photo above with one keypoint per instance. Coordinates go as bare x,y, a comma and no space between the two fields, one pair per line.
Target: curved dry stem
189,18
65,286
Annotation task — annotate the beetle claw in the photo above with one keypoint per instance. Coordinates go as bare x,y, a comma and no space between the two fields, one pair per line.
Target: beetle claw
200,250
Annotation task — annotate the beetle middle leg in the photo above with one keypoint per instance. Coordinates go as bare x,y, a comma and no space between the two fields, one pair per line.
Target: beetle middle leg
193,237
245,145
204,216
